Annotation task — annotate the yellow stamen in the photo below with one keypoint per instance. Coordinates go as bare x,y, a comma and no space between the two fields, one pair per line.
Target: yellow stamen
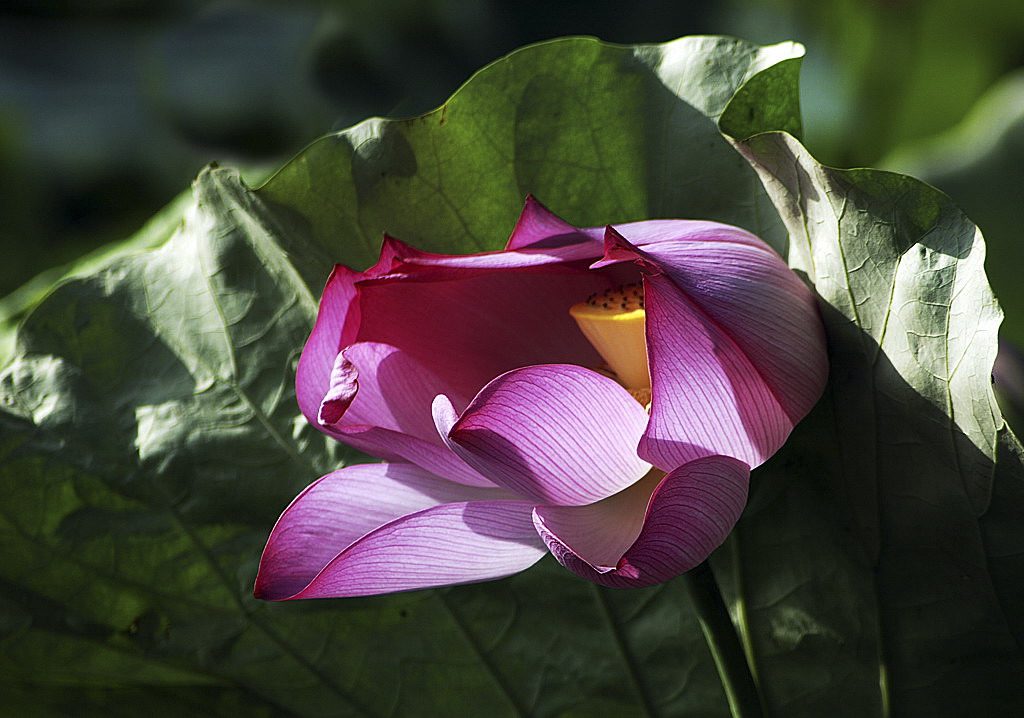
643,396
613,321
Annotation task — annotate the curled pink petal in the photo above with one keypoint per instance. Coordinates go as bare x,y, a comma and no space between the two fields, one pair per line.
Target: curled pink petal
539,227
341,390
336,326
338,509
395,391
600,533
690,513
556,433
379,402
336,320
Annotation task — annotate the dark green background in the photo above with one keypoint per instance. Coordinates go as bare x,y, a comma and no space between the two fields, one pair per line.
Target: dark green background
108,109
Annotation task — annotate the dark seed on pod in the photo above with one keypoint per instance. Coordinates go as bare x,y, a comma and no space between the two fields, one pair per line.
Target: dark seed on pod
626,298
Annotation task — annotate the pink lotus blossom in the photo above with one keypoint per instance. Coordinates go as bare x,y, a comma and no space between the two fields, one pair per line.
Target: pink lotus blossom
598,393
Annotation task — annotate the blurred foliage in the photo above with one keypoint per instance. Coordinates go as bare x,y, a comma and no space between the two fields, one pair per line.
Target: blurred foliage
108,109
880,73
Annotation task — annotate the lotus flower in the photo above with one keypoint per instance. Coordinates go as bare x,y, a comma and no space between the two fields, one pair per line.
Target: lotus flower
598,393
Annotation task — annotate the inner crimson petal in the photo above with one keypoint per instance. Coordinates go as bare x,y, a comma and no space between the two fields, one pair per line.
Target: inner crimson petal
469,330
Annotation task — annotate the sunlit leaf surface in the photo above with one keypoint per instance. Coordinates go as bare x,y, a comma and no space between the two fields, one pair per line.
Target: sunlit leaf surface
916,477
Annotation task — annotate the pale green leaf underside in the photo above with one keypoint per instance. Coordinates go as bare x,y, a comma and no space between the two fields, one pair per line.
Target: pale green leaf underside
913,446
150,435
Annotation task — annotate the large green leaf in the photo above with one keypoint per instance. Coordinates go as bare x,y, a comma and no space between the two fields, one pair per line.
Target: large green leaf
978,163
18,303
601,133
150,434
888,73
924,551
150,439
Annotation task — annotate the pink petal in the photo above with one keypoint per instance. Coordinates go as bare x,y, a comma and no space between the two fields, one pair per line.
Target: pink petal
390,445
460,266
336,326
394,391
336,320
380,402
365,530
558,434
741,284
422,266
690,513
335,511
540,238
707,397
341,391
735,345
539,226
690,236
600,533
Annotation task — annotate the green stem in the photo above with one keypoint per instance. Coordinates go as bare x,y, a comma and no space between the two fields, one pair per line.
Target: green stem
731,661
